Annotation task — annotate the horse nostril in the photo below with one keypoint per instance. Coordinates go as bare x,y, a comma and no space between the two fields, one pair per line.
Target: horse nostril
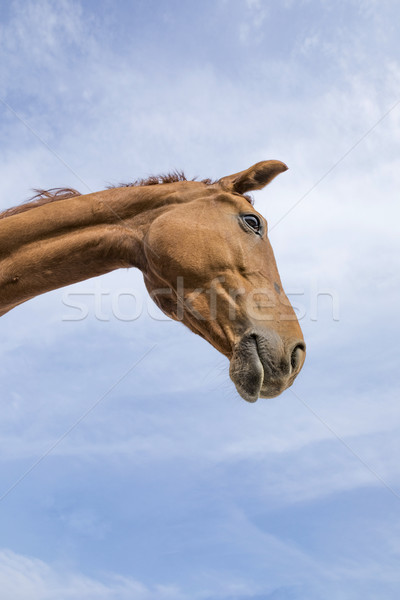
297,355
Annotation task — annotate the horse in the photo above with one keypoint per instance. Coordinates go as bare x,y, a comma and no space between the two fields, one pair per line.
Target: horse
202,248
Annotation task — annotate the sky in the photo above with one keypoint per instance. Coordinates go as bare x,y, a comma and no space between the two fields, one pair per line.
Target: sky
129,466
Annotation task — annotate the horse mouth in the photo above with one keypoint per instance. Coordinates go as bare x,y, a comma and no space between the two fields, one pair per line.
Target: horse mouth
246,370
261,366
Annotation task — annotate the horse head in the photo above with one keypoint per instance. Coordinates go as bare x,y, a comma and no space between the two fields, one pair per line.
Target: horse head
209,264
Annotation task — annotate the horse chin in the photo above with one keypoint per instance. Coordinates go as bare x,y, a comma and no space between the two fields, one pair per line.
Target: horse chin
246,370
271,391
251,387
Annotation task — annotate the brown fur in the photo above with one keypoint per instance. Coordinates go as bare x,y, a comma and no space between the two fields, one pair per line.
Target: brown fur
203,262
55,194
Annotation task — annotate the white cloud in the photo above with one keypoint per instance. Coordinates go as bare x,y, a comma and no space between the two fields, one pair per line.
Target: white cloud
250,30
23,578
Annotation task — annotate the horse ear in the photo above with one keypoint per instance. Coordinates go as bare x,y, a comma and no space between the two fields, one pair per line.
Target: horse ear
253,178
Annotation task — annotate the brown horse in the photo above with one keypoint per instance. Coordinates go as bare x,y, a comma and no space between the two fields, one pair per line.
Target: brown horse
203,251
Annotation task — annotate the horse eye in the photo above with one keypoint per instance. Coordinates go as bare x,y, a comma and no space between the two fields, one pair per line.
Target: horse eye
253,221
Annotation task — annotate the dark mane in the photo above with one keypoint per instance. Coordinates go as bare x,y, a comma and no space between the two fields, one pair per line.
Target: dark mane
172,177
55,194
41,197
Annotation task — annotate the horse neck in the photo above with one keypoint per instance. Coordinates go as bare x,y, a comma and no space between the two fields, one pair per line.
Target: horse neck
67,241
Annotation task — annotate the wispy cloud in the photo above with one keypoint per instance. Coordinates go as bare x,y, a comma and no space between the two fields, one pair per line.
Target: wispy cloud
22,577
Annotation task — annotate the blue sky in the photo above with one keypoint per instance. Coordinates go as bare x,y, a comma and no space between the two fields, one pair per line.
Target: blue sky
172,487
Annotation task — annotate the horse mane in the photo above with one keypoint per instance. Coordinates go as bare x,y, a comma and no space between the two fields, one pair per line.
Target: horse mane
56,194
41,197
172,177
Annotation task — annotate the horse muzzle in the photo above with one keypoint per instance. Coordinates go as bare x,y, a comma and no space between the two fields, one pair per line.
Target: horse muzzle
264,365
